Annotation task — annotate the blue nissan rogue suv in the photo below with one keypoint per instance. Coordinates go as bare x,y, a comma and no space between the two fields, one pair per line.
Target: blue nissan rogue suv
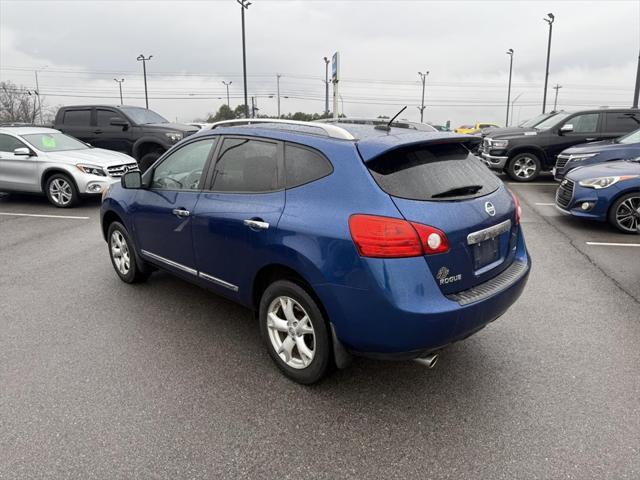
345,239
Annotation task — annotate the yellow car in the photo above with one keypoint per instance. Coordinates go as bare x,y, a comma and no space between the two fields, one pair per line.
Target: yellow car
471,129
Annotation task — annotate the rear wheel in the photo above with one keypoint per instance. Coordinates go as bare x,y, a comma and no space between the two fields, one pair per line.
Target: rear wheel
123,257
625,213
524,167
61,191
295,332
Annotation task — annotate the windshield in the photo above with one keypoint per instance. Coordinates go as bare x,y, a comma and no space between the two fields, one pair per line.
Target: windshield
143,116
54,142
532,122
633,137
552,121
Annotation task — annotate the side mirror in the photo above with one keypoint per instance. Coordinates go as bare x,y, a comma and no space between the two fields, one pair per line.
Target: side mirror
22,152
118,122
566,128
131,180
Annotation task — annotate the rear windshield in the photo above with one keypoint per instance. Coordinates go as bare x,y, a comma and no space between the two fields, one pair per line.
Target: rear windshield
435,172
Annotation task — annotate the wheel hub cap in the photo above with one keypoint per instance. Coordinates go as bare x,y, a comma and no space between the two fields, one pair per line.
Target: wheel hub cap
291,332
628,214
60,191
120,252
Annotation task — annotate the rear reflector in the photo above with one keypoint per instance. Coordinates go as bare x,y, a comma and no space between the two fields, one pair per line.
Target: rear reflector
384,237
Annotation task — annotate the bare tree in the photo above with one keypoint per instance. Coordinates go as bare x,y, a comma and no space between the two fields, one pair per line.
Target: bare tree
18,104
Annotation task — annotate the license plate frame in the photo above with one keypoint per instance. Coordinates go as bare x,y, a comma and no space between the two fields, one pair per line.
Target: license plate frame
486,252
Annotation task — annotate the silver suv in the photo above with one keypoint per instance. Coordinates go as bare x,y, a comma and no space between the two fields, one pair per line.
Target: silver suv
44,160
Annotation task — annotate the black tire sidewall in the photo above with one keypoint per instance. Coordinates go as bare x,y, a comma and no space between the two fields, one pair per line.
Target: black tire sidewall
134,274
614,208
323,355
148,159
512,162
75,196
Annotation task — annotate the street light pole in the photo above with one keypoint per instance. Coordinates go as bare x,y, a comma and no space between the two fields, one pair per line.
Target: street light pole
423,77
555,102
513,104
227,85
326,86
141,58
244,5
546,76
510,53
119,85
278,89
636,92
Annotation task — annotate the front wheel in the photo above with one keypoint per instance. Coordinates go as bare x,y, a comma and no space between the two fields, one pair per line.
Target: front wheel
625,213
295,332
123,257
61,191
524,167
148,159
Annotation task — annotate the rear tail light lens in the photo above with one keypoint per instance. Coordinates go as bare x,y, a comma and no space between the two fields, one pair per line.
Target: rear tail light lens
518,207
384,237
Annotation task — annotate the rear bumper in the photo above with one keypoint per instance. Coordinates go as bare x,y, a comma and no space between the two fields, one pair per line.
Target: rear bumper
406,316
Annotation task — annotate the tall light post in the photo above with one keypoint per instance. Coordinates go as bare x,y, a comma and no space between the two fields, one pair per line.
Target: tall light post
513,104
326,86
119,85
141,58
555,102
423,77
549,20
510,53
636,91
244,5
226,84
278,91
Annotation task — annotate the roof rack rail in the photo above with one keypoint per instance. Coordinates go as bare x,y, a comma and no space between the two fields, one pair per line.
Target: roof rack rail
331,131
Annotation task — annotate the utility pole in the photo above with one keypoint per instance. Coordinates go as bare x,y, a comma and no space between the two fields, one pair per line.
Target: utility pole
141,58
278,88
244,5
326,86
636,92
423,77
37,92
227,85
119,85
555,102
546,75
253,107
510,53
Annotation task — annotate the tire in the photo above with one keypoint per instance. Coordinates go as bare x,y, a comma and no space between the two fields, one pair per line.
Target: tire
309,356
61,191
624,214
524,167
149,159
123,257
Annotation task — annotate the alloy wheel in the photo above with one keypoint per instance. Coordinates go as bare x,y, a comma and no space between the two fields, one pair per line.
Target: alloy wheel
628,215
291,332
524,167
60,191
120,252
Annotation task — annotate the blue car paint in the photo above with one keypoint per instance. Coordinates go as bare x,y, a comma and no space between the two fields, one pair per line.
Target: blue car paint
376,306
604,197
606,151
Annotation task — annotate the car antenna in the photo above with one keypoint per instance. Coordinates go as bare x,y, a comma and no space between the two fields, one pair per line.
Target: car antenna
387,127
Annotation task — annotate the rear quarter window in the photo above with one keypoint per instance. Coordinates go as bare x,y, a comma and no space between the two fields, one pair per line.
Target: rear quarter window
442,172
303,165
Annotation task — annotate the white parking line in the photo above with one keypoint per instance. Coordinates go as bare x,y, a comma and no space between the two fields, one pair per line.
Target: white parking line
606,244
546,204
10,214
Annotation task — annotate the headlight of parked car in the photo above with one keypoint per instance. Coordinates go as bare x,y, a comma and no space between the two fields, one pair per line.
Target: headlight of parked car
91,169
499,143
174,136
604,182
577,158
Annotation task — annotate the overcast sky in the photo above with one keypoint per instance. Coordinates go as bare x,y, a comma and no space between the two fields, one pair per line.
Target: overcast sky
80,46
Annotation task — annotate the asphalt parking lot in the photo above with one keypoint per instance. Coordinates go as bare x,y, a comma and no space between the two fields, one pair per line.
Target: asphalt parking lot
99,379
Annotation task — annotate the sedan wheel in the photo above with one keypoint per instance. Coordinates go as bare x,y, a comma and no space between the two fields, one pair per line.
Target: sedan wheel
291,332
627,214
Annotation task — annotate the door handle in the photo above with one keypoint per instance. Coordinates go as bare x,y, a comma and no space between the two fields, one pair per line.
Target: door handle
256,224
181,212
97,131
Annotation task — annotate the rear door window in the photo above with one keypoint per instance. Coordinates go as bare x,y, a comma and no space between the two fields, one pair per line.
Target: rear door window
433,173
246,165
621,122
77,117
303,165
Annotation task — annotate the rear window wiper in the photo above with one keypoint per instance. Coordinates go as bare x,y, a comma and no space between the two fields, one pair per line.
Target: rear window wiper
454,192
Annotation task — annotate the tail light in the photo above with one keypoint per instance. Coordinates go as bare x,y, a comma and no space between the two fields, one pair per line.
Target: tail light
385,237
518,208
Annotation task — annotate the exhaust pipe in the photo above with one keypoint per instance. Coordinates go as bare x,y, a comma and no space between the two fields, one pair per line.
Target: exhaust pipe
429,361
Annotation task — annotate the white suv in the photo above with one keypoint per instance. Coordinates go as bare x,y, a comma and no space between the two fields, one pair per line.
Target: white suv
44,160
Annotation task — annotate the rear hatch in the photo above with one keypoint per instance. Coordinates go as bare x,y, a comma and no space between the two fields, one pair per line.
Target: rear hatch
442,185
